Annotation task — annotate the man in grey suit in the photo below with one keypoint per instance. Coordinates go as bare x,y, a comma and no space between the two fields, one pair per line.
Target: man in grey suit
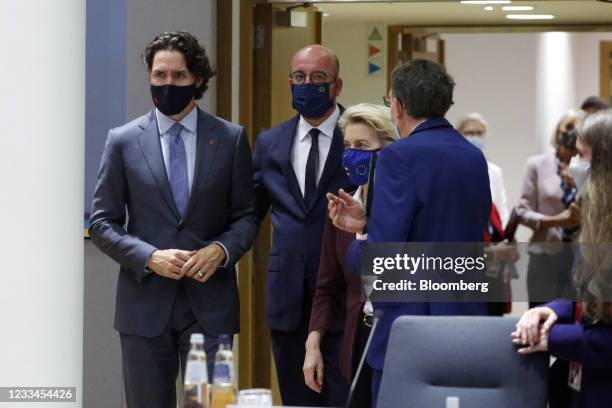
182,180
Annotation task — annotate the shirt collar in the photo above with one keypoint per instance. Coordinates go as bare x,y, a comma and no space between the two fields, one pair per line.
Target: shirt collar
164,123
327,128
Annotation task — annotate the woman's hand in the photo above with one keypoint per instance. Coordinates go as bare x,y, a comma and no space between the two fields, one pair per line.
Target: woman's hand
313,362
533,329
571,217
568,218
504,252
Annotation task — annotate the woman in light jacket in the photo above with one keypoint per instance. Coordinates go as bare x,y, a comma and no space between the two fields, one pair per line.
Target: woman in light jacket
547,207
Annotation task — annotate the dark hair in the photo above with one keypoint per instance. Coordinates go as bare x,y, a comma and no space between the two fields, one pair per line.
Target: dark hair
595,103
195,55
423,88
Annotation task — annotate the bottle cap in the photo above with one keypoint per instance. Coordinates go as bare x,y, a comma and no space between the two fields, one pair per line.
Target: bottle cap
452,402
197,338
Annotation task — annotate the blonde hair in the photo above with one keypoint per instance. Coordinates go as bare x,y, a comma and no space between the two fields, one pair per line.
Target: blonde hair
472,117
594,273
377,117
570,120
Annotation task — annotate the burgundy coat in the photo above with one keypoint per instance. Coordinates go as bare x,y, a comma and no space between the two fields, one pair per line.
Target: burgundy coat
334,283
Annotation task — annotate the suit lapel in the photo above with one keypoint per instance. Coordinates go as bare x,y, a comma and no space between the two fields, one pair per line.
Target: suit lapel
286,143
334,160
206,146
150,143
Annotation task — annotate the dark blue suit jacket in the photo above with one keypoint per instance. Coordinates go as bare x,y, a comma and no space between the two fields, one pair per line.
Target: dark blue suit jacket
133,177
589,345
297,229
432,186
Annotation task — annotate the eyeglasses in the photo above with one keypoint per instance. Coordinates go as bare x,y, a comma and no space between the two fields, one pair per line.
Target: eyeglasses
316,77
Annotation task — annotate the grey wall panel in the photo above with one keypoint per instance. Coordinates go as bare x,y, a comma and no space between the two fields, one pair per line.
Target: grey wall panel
105,82
102,381
146,19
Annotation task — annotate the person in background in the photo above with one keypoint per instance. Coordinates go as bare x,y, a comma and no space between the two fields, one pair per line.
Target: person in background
594,104
474,128
296,163
366,130
581,333
434,187
547,207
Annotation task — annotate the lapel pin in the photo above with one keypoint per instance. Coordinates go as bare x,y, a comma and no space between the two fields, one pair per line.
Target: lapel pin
211,141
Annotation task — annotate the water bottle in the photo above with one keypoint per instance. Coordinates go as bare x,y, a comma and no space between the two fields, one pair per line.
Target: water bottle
196,375
223,391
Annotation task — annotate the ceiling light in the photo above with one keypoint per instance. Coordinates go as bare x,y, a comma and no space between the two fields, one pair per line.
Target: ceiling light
530,16
486,1
517,8
489,8
326,14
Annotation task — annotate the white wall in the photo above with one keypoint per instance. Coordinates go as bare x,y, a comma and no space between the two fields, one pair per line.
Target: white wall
495,76
350,42
555,90
42,111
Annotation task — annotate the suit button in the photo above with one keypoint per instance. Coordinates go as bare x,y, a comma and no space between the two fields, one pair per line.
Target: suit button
179,227
301,257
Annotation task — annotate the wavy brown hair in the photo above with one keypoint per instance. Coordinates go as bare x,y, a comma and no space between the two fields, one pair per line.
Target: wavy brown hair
594,273
195,55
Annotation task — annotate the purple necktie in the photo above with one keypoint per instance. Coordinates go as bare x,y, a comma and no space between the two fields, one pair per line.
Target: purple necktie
179,181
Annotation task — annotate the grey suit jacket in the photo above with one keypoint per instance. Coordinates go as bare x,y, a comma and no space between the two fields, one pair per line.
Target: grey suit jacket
133,185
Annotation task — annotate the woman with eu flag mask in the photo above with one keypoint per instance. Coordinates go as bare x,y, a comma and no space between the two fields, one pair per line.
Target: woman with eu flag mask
367,128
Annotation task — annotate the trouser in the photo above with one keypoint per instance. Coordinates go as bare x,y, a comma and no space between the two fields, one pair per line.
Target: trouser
362,396
151,364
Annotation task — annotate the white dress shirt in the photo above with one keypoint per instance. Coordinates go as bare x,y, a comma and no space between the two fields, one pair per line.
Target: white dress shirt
302,143
189,135
368,283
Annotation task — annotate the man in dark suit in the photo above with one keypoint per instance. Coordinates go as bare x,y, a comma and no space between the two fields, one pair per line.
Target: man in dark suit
184,177
430,186
296,164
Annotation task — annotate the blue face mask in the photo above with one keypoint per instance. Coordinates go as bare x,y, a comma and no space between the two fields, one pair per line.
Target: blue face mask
357,164
477,141
311,100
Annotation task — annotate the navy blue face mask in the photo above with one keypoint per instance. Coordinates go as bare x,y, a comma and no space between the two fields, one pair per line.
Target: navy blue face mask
172,99
358,164
311,100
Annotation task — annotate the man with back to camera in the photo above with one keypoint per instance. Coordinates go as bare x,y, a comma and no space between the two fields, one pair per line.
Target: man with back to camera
296,163
185,178
431,186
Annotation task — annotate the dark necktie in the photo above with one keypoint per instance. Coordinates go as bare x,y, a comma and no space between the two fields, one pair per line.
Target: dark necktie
179,182
312,167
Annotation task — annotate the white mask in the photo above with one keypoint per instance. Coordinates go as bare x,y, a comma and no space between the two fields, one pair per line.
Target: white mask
580,170
477,141
395,129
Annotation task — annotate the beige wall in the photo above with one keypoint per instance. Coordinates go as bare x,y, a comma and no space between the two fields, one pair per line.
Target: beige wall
495,76
350,42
